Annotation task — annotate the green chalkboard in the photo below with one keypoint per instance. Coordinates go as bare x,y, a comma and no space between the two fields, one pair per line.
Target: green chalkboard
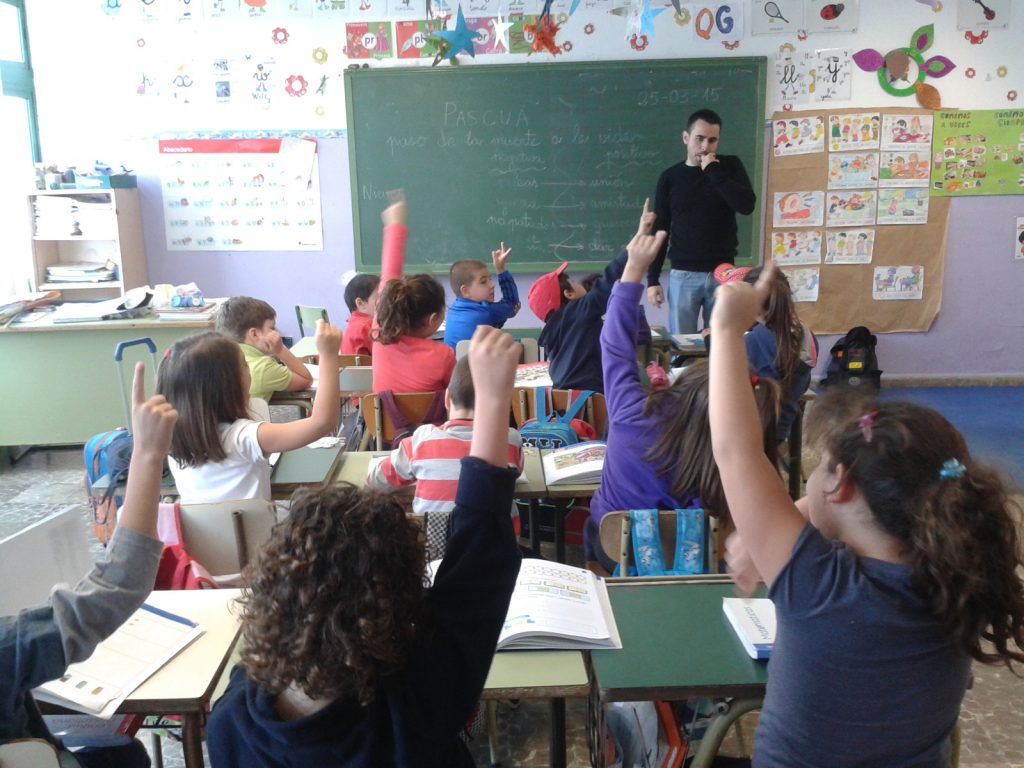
553,159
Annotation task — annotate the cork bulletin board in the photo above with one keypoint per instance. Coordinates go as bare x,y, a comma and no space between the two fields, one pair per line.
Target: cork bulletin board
850,238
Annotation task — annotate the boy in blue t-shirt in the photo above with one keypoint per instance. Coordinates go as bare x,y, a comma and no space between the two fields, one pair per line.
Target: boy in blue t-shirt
474,297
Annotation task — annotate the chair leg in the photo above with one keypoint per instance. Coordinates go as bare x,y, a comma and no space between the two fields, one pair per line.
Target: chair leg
491,709
157,748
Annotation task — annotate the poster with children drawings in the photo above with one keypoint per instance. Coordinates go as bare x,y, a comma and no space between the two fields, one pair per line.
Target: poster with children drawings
849,170
798,209
236,195
904,169
907,132
897,283
798,136
849,246
851,208
803,282
902,206
796,246
853,131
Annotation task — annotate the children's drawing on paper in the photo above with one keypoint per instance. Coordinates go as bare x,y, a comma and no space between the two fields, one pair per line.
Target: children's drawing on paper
1018,245
851,208
407,9
903,206
849,170
798,135
856,130
849,246
897,283
798,209
904,169
797,246
803,282
907,132
332,9
260,72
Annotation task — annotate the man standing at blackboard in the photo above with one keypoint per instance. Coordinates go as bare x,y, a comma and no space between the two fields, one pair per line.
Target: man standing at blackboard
696,202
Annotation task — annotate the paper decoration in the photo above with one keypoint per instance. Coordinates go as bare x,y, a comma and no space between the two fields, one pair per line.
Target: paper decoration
851,208
849,170
332,9
902,206
499,33
415,39
798,135
856,130
902,81
798,209
978,152
775,17
715,22
907,132
904,169
368,40
849,246
815,76
1018,245
832,75
647,17
407,9
460,39
803,282
897,283
832,17
238,196
797,246
991,14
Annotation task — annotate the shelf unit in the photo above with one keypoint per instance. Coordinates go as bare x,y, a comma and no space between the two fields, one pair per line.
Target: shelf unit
113,231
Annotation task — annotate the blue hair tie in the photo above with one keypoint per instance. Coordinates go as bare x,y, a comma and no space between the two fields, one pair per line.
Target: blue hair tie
952,469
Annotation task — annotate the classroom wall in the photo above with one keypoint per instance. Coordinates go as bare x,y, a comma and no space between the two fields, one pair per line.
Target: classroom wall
89,109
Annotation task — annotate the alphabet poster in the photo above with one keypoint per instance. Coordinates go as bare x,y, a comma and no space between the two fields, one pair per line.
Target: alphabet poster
238,195
716,22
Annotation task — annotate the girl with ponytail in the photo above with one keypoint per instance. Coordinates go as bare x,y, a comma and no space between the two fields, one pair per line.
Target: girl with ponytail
887,577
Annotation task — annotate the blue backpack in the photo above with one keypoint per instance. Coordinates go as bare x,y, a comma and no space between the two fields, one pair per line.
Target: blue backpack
690,539
107,453
549,430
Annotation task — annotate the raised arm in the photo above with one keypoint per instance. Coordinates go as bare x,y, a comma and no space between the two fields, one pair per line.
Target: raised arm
326,404
509,304
392,257
763,513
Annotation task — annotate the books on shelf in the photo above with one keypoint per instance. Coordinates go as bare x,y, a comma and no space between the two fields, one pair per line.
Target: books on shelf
558,606
134,652
533,375
82,272
579,463
753,620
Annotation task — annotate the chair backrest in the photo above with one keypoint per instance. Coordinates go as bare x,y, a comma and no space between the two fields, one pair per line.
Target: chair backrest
530,351
524,407
222,541
346,361
49,552
414,406
28,753
617,541
307,317
462,349
356,379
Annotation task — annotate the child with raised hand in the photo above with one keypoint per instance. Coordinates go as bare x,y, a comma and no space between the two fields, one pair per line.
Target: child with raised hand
409,312
348,660
902,558
38,644
474,297
219,453
659,441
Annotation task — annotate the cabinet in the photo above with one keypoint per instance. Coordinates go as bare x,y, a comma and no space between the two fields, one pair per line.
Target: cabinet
84,227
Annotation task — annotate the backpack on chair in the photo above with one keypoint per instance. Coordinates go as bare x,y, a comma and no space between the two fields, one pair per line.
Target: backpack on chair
853,361
551,430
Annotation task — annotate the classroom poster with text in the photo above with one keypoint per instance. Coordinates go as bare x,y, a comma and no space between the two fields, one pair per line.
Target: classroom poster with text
978,152
238,195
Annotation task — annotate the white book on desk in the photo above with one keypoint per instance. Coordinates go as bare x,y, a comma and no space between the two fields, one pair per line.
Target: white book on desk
579,463
132,654
753,620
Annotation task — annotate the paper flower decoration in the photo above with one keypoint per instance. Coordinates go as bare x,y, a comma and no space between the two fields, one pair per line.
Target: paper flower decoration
460,39
895,66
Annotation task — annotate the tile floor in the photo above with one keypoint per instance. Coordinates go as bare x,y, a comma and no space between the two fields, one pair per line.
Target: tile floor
46,481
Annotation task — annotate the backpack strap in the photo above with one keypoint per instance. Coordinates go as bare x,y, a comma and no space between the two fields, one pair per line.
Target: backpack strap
577,404
387,402
689,556
540,402
436,412
647,543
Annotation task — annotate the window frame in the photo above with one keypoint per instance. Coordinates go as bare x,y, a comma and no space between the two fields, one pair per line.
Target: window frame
18,80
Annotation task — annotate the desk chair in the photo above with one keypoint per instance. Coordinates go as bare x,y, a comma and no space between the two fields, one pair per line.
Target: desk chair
379,427
595,412
226,536
530,351
28,753
347,361
795,444
616,538
307,317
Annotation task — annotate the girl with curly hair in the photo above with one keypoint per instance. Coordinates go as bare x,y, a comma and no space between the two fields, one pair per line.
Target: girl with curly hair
899,567
348,658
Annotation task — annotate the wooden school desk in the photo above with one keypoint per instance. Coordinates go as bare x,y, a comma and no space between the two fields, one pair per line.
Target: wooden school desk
676,643
58,383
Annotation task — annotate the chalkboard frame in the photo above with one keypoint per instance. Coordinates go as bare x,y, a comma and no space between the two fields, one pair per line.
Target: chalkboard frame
367,253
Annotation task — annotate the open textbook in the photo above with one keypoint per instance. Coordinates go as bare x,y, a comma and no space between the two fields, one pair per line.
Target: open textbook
140,647
753,620
579,463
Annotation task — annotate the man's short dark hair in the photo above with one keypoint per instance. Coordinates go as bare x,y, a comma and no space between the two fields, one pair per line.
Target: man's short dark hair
460,386
360,287
707,115
240,313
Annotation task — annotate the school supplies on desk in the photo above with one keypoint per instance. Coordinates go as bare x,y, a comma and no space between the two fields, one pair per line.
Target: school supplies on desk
142,645
306,466
580,463
753,620
689,341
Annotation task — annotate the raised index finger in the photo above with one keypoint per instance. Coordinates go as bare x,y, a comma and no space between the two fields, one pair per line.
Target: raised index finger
766,278
139,385
647,205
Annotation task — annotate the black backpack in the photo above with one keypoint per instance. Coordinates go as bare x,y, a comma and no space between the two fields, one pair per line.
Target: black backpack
853,362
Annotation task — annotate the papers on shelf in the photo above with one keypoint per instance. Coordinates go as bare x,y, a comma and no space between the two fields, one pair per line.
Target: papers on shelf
82,272
753,620
142,645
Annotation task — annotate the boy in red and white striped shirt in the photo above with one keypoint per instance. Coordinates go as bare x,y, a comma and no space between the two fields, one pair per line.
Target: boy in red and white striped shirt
431,456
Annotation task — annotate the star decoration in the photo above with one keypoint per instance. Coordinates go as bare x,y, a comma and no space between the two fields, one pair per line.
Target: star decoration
543,32
501,27
647,17
460,39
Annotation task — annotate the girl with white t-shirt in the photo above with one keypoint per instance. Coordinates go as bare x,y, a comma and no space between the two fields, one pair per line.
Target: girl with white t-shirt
219,453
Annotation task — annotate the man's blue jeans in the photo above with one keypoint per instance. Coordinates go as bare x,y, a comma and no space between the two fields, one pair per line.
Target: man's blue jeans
688,292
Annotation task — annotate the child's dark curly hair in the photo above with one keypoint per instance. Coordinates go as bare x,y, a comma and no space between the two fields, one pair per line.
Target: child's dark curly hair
337,598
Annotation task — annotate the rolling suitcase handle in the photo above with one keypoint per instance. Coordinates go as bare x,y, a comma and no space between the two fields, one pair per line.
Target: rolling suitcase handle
119,358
